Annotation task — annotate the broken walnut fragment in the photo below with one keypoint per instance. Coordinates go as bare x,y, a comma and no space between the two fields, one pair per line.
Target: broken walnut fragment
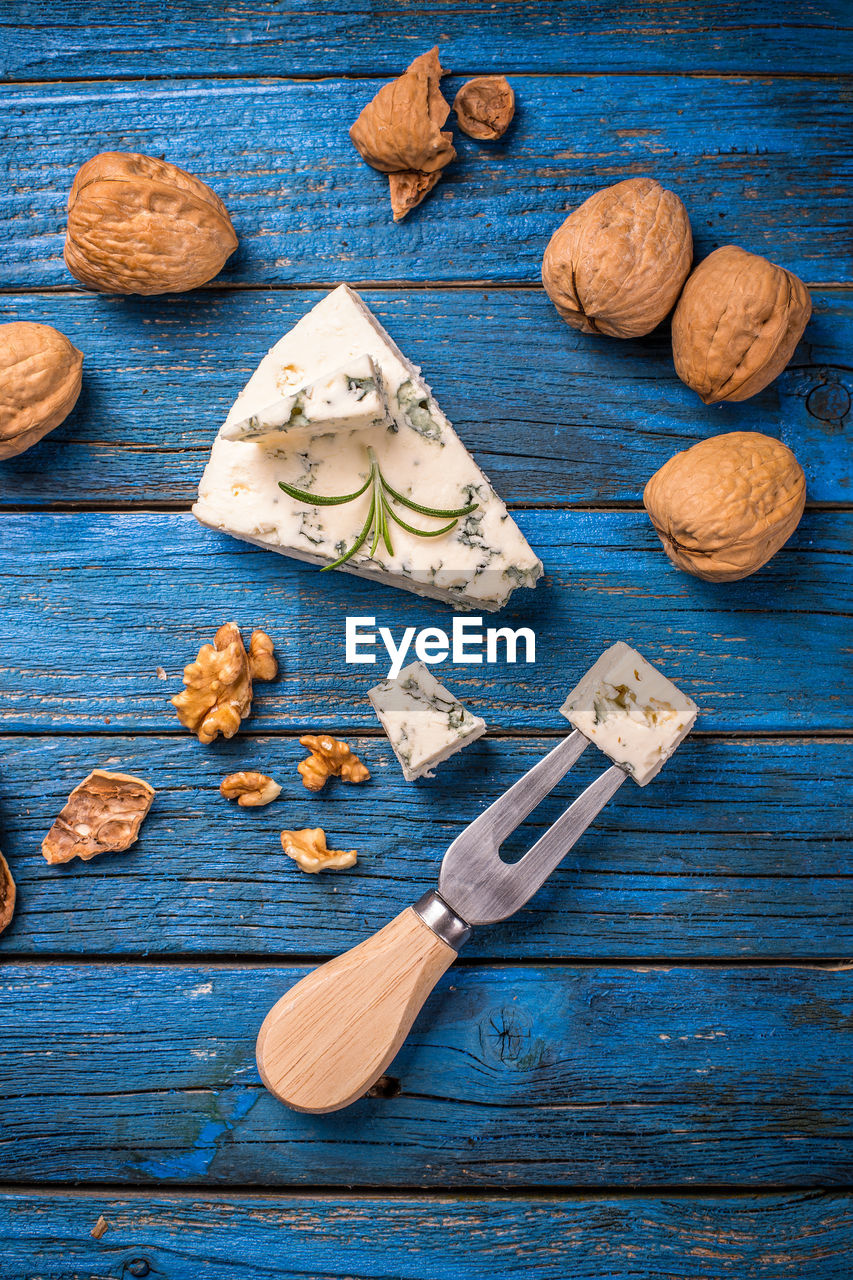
330,758
218,693
102,815
250,790
7,894
484,107
400,132
308,848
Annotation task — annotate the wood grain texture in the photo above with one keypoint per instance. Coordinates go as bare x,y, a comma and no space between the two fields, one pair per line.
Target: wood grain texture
355,37
553,416
763,163
157,586
741,848
328,1039
225,1237
512,1076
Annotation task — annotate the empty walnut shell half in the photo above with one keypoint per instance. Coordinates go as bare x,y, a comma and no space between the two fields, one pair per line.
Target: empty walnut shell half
617,264
737,324
725,506
485,107
7,894
102,815
41,373
140,225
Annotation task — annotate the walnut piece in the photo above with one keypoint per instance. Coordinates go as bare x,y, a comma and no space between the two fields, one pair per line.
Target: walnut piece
141,225
262,663
7,894
102,815
330,758
725,506
400,133
617,264
308,848
218,693
41,373
737,324
484,107
249,789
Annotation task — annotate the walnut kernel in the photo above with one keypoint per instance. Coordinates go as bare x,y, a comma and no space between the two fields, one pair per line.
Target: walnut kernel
262,663
308,848
218,693
485,107
330,758
7,894
102,815
249,789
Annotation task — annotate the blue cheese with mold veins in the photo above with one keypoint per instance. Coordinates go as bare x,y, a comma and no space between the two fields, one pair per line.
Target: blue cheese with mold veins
631,712
424,722
348,399
477,565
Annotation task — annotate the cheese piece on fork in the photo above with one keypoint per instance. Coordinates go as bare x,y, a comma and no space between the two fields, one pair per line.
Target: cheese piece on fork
631,712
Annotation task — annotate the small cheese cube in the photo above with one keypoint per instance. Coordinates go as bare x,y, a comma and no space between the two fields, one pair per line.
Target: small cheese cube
425,724
631,711
348,399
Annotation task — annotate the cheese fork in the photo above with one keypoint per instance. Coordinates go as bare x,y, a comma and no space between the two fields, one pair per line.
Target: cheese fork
333,1034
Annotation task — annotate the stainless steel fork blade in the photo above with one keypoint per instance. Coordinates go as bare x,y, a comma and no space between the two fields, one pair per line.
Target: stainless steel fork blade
475,882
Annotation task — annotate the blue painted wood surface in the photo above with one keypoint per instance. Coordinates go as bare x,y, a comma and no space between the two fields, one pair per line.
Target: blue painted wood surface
159,585
513,1075
87,38
760,162
553,416
541,1060
667,871
198,1237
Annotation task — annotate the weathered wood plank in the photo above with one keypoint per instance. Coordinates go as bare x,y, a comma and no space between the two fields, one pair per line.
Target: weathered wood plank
553,416
741,848
181,1237
761,162
107,599
512,1076
262,37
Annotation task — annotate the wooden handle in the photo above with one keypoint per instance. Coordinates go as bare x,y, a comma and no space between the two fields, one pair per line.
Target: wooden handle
333,1034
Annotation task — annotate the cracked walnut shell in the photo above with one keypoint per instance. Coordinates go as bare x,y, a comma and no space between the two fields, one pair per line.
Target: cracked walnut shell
102,815
737,324
141,225
308,848
330,758
725,506
401,127
485,107
617,264
7,894
218,693
41,373
250,790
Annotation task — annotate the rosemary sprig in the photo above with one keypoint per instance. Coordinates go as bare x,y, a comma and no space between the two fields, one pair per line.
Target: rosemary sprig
380,511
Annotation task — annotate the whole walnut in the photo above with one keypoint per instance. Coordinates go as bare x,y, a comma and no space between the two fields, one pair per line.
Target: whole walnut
41,373
737,324
725,506
140,225
617,264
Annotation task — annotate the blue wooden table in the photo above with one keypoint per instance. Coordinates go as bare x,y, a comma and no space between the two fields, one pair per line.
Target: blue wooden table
647,1073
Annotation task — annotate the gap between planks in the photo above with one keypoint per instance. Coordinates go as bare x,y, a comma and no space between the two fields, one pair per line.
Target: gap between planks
533,1192
228,962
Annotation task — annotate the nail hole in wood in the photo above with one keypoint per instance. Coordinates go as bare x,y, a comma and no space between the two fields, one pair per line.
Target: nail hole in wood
385,1087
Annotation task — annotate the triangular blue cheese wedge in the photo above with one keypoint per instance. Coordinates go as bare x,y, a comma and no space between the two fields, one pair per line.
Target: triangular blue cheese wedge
631,712
348,399
476,565
424,722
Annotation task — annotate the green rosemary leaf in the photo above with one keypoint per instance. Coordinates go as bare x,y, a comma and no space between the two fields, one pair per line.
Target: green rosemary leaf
317,500
386,532
420,533
362,537
439,512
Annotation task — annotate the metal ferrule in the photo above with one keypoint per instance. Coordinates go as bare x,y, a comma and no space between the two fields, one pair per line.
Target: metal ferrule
443,921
